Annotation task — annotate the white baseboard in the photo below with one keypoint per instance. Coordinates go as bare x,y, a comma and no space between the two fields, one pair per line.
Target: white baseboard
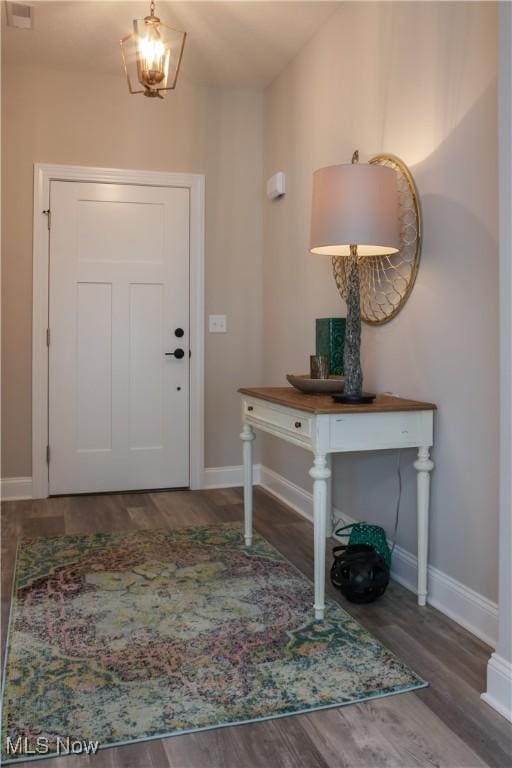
476,613
289,493
12,488
470,609
499,685
228,477
15,488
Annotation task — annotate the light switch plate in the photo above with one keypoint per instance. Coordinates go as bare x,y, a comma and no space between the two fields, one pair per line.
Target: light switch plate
217,323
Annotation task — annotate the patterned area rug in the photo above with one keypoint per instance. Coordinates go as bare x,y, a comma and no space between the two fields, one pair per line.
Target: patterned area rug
132,636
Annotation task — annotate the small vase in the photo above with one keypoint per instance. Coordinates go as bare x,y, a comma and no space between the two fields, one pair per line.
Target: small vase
319,366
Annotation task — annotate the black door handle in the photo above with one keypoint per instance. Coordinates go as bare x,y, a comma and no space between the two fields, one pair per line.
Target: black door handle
178,353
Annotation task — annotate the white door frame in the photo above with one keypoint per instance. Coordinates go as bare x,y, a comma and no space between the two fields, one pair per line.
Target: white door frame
43,175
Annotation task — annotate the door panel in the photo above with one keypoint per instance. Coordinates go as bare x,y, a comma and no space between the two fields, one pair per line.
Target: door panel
110,231
94,366
119,286
146,401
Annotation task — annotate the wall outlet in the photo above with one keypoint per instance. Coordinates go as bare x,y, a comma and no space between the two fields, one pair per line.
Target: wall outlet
217,323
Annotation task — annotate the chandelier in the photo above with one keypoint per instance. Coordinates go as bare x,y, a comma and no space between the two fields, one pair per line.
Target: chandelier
152,55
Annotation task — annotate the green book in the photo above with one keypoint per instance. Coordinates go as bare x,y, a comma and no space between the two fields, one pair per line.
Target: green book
330,341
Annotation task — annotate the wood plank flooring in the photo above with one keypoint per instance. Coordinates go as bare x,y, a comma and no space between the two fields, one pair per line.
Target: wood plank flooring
445,725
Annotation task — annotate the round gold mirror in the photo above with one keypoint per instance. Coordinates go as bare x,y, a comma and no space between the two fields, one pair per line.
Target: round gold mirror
387,281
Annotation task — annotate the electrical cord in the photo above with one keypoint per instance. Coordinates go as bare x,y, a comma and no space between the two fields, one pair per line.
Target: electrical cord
339,521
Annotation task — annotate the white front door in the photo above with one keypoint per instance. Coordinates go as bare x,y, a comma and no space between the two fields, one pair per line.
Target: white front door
119,304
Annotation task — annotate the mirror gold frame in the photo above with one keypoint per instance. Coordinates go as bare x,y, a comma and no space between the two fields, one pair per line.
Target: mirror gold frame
387,281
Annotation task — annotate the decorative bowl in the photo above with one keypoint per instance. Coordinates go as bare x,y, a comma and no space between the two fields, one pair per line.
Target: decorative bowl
310,386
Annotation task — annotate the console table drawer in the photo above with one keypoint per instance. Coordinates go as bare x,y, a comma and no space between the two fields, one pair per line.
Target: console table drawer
353,432
274,419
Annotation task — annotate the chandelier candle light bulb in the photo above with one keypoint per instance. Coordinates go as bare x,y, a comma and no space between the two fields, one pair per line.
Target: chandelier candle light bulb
152,56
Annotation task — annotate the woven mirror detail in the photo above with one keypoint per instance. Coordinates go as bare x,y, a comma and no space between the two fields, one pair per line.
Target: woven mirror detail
386,281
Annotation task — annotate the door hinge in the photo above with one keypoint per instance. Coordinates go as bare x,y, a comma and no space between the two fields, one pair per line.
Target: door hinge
47,337
48,215
47,454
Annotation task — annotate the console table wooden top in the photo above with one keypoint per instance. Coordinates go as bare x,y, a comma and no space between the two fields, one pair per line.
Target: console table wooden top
292,398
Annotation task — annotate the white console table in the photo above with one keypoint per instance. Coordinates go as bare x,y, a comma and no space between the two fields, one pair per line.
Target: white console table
317,423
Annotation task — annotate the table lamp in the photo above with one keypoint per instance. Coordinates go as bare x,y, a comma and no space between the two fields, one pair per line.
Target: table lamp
354,215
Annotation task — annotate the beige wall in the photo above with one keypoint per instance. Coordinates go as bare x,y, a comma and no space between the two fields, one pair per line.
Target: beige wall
83,119
367,80
417,80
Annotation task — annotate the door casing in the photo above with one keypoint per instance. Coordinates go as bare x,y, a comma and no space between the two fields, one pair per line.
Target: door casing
43,175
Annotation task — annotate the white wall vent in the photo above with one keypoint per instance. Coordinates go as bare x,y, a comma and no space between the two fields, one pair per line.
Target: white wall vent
19,15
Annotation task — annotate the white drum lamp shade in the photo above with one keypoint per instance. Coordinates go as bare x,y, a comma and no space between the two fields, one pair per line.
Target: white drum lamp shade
355,204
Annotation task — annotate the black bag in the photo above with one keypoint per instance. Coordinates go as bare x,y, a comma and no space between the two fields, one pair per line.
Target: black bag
359,572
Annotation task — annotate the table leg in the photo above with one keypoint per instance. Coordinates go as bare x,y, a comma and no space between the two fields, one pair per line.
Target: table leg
424,465
329,526
321,474
247,436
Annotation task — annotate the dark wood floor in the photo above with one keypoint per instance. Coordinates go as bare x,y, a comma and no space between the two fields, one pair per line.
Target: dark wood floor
445,725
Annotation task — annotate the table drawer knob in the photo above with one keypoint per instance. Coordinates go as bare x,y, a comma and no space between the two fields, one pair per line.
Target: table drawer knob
250,408
298,424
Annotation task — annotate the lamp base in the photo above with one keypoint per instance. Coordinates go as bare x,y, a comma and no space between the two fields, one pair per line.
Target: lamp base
363,397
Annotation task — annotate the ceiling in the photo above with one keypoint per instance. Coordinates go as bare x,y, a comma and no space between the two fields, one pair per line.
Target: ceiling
237,44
